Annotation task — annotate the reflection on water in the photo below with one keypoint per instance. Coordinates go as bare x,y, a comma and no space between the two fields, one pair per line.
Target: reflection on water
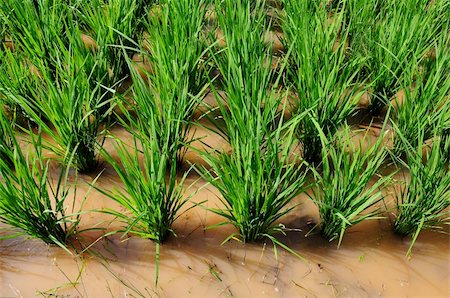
370,262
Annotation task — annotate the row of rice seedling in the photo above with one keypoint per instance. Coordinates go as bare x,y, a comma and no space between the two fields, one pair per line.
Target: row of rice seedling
104,24
61,103
423,202
164,105
423,109
31,201
68,88
390,35
256,180
343,194
319,71
421,143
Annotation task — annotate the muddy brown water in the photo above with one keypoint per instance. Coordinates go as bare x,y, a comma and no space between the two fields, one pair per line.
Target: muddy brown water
370,262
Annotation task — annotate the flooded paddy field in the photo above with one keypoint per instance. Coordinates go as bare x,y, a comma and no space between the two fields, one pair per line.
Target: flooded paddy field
371,262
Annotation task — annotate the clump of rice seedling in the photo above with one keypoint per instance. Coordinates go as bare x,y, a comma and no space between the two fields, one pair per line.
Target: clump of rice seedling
18,76
255,180
71,108
179,77
343,194
32,26
422,203
319,71
390,34
152,194
108,22
425,107
29,200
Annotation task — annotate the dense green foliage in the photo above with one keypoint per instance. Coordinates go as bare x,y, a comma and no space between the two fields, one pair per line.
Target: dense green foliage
71,70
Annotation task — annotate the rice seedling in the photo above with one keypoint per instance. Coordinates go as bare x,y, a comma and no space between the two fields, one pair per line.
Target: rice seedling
344,194
37,29
319,71
32,26
256,182
71,108
18,76
29,200
161,125
152,194
424,111
107,21
391,35
422,203
180,76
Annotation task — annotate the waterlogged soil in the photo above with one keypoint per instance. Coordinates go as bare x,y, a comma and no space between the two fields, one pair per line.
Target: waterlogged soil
370,262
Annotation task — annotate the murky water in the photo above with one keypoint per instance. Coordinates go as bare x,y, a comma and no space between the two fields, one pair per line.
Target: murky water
370,262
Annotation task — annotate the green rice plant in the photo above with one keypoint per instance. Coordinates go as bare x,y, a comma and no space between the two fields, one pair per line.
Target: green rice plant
180,76
319,71
19,76
344,194
423,202
391,35
29,198
256,182
153,194
424,111
5,137
38,29
107,21
32,25
72,110
446,141
2,35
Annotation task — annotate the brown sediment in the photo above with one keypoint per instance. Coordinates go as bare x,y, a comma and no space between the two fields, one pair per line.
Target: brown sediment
156,11
274,63
210,15
400,97
362,92
142,65
89,42
431,54
209,105
34,71
365,99
363,137
426,148
337,44
333,20
205,141
146,41
275,16
273,38
220,38
9,44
